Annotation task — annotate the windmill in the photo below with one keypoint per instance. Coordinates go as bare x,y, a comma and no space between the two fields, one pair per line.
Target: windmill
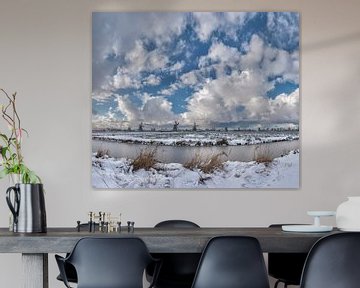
141,125
176,124
194,127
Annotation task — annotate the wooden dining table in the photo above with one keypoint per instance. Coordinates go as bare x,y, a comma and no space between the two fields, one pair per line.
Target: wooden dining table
35,247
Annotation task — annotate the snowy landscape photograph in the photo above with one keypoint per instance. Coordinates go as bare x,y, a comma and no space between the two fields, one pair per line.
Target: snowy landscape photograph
195,100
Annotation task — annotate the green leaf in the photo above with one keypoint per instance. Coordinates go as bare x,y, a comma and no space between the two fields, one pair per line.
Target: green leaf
4,173
26,132
4,137
27,175
33,178
3,151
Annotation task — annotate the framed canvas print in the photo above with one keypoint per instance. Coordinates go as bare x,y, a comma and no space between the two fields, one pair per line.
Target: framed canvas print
195,100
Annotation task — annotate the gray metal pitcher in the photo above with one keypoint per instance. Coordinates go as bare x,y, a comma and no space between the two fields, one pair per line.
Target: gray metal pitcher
28,208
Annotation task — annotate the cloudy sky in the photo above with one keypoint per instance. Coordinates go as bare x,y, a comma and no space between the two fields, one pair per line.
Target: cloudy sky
208,68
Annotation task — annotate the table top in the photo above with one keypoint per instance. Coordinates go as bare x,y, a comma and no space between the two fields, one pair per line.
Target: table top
158,240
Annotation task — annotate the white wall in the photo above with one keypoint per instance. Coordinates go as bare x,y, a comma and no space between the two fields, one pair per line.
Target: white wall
45,55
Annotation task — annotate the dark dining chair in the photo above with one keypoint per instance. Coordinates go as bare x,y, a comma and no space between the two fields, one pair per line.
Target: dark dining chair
286,267
333,262
70,271
178,269
232,262
108,263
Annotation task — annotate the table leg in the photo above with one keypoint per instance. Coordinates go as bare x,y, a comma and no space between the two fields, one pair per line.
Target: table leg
35,270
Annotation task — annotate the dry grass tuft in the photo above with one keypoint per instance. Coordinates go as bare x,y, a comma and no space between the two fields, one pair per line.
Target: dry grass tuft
145,160
194,162
102,153
262,154
207,164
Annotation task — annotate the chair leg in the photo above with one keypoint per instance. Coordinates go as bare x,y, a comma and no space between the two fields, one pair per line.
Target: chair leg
278,282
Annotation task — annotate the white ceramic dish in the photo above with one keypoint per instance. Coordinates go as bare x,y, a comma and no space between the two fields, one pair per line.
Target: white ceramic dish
350,229
321,213
306,228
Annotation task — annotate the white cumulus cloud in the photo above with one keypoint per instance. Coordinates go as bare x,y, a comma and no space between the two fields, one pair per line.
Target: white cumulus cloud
154,110
285,107
240,94
206,24
152,80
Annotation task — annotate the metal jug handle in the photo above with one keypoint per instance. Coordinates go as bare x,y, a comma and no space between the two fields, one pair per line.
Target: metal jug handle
13,208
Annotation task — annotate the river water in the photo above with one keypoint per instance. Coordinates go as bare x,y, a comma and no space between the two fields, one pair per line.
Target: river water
182,154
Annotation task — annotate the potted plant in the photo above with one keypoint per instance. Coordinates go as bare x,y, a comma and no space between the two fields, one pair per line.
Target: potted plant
26,198
12,161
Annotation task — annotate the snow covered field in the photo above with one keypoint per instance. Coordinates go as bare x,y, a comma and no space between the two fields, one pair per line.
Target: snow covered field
198,138
282,172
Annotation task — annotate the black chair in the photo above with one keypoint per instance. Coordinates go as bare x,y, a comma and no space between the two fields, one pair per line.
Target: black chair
333,262
108,263
178,269
176,224
69,269
286,267
232,262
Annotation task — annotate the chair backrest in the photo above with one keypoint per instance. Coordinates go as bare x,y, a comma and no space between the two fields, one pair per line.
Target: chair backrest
333,262
232,262
110,262
176,224
178,269
286,267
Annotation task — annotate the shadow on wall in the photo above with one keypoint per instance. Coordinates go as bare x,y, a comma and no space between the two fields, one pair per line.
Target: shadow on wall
331,42
331,70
